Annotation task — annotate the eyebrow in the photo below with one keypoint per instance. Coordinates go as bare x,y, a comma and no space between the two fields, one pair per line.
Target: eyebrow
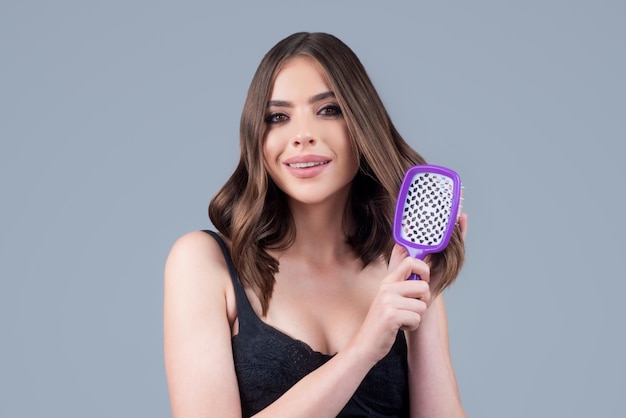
312,99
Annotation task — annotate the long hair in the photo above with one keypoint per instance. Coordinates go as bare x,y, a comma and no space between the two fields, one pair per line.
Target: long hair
252,211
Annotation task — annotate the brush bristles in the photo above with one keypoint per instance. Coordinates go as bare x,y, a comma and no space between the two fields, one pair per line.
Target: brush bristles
427,209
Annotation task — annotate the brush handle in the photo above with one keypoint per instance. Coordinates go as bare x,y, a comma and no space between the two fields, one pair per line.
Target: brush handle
414,276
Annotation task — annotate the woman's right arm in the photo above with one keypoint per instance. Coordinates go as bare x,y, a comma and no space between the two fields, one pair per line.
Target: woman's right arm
197,334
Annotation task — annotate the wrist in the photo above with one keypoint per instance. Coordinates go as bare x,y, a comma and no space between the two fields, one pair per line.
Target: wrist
360,355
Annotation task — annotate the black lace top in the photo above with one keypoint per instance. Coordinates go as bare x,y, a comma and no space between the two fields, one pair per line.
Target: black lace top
269,362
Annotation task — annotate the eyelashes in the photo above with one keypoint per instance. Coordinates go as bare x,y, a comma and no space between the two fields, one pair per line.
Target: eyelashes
276,117
331,110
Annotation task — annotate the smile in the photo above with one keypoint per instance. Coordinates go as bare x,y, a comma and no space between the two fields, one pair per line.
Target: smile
307,165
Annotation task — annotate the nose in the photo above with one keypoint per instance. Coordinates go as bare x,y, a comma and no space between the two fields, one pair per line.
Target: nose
305,129
304,138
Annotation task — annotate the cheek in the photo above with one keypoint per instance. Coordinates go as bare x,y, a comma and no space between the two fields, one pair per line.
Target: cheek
355,167
349,152
270,156
272,146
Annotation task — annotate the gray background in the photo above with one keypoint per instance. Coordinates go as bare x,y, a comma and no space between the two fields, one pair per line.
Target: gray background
119,121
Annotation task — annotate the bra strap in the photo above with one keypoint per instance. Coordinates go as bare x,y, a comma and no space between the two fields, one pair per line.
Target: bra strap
229,262
245,313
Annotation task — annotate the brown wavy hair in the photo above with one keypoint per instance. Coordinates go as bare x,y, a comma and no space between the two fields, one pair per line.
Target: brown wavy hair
252,211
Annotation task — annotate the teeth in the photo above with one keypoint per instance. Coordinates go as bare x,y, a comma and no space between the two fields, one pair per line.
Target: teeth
306,165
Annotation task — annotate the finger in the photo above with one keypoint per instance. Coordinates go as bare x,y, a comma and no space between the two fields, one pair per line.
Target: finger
414,304
409,321
417,267
413,289
398,253
406,295
463,225
406,268
403,318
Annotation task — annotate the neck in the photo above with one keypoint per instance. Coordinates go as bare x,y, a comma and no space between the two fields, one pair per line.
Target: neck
320,232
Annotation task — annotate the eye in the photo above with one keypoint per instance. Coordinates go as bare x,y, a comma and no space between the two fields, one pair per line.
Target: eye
276,117
330,110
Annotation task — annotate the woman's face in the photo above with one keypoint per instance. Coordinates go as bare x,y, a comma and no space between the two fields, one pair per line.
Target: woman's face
307,150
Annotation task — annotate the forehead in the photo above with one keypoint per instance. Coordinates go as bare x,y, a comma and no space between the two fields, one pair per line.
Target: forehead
299,75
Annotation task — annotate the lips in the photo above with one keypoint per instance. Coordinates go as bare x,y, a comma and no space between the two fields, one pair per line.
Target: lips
306,166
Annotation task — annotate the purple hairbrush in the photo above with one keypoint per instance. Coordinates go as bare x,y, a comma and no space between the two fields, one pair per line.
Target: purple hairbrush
427,209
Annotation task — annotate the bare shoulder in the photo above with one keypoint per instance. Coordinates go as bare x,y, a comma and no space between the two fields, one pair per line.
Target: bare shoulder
196,273
194,250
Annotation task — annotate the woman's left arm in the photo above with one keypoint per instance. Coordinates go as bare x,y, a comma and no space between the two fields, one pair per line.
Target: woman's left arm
432,382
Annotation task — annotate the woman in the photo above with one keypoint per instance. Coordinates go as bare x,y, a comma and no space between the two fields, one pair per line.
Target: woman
313,316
